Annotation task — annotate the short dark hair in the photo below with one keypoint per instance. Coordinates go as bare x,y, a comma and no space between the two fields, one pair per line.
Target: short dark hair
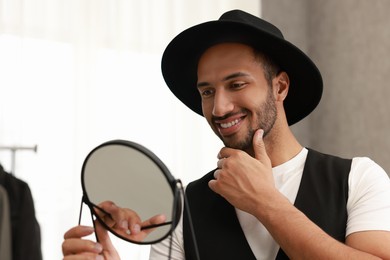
271,69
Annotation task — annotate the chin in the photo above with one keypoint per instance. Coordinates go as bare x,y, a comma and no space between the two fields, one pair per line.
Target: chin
243,144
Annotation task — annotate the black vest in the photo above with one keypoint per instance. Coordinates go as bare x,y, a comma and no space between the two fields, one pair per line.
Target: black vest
322,196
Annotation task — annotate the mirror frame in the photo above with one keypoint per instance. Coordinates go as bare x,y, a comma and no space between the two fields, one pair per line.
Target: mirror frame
174,184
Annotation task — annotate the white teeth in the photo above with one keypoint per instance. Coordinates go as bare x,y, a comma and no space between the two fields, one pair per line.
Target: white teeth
230,124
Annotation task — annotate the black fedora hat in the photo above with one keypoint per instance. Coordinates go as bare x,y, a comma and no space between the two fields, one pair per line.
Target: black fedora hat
180,60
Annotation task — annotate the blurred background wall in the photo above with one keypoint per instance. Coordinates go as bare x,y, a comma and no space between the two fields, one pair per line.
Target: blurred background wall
349,41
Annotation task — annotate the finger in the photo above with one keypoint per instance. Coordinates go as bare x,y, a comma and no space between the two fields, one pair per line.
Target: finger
158,219
134,222
109,207
258,145
78,232
212,185
110,222
225,153
221,153
105,240
124,219
220,163
103,212
216,174
74,244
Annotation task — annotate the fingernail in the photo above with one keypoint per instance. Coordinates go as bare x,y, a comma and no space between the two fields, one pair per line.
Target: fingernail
124,224
98,247
89,229
136,228
261,133
99,257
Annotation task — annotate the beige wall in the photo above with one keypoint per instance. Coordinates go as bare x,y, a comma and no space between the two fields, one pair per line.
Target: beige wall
349,41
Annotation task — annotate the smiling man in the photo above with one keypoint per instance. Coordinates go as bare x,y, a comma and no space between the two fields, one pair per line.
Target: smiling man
269,197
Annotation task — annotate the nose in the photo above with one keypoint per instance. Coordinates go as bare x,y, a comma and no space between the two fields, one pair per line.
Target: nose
222,104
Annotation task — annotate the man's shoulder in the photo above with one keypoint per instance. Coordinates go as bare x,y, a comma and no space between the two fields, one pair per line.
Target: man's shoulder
201,183
205,179
313,152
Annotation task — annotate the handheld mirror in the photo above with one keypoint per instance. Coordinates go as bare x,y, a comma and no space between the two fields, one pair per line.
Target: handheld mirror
132,177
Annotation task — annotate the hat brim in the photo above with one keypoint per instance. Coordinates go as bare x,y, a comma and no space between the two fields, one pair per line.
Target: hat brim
180,61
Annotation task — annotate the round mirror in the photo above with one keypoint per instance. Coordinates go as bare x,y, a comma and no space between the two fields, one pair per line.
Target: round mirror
132,177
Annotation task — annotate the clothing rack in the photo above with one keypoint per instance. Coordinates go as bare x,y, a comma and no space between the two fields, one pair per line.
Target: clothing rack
15,149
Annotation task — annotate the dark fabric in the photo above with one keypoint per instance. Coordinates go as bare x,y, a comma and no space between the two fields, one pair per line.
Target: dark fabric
322,196
25,230
218,232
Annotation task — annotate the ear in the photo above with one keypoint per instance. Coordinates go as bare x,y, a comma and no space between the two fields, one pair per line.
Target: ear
281,84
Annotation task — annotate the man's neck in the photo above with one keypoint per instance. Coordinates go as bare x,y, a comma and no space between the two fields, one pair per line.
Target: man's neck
281,146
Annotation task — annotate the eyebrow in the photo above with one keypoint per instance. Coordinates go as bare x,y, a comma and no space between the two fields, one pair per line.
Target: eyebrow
228,77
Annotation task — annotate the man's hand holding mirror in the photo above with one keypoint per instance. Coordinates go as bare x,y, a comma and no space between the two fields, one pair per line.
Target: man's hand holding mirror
130,193
127,222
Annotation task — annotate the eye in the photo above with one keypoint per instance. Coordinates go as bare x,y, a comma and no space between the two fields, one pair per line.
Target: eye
206,92
238,84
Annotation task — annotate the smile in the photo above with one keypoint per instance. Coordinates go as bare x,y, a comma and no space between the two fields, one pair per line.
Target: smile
229,124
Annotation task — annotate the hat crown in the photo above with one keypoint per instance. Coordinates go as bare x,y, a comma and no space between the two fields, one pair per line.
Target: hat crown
249,19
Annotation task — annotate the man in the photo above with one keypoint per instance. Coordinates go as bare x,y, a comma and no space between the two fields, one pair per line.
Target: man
269,197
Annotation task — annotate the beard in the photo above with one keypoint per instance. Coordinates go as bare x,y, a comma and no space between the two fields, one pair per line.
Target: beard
266,117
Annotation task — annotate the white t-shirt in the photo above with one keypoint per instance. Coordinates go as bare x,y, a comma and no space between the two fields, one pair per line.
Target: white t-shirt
368,207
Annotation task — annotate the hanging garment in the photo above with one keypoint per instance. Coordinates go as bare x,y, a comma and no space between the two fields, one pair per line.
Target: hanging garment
25,230
5,226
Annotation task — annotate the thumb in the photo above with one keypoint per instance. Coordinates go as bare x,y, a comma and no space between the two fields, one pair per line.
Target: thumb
258,145
109,250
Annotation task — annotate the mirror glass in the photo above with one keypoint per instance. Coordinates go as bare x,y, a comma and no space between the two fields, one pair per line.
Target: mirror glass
132,177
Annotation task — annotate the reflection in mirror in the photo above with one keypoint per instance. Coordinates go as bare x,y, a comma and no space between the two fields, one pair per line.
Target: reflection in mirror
134,179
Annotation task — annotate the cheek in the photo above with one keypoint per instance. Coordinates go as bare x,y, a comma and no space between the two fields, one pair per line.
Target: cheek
207,113
254,98
249,102
207,108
